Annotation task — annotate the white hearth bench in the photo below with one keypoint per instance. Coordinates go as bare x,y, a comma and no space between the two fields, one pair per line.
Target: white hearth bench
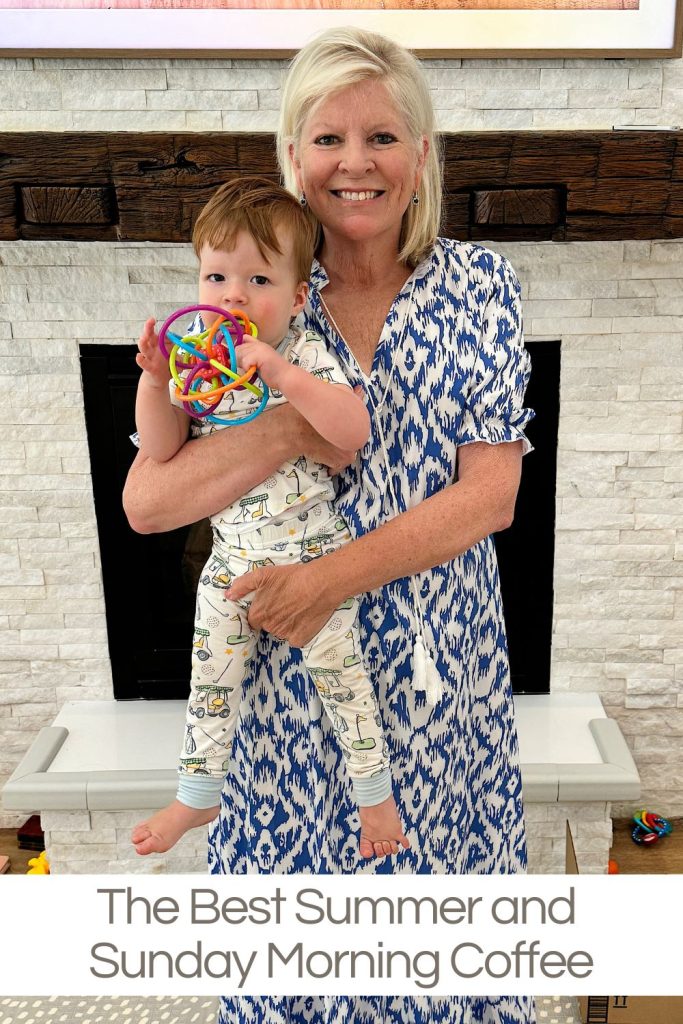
104,765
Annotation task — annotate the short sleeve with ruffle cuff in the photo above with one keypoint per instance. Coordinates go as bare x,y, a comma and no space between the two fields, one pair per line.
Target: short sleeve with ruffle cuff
494,399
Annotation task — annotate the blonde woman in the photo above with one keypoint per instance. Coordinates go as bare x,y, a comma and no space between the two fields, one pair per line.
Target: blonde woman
430,330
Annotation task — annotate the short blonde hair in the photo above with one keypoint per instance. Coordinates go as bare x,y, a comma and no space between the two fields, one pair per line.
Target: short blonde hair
258,206
342,57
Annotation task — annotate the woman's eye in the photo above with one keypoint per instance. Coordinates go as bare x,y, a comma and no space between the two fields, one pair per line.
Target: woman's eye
326,140
384,138
260,279
215,278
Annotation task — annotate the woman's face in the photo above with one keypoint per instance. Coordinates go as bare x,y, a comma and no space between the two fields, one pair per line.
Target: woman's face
358,164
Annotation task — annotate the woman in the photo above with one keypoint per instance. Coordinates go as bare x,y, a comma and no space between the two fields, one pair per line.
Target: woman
431,331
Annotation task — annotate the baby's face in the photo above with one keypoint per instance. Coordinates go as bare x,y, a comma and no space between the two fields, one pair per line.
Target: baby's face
266,290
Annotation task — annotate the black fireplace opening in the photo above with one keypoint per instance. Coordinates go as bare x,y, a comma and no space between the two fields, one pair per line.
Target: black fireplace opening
150,580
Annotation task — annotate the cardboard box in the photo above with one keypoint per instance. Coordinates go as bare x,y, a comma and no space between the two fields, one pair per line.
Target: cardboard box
624,1009
631,1009
570,865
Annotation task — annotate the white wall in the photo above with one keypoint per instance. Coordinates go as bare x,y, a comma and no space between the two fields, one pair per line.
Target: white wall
617,307
232,95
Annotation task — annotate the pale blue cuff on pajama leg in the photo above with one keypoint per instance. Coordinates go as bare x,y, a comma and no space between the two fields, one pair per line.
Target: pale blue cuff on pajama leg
371,791
199,791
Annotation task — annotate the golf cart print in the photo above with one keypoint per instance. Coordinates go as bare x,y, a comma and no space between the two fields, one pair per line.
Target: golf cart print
314,547
211,700
193,765
254,506
328,685
217,573
201,643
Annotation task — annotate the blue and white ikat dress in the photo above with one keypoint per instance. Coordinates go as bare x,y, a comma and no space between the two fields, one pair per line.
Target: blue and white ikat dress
450,369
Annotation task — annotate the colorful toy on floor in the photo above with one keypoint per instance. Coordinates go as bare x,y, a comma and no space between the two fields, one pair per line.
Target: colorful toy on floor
612,867
649,828
39,865
211,360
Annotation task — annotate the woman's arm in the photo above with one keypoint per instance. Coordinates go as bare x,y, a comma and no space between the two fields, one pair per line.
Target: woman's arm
294,602
211,472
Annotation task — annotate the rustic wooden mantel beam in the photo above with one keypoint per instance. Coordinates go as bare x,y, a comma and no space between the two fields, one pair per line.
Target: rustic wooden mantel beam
499,185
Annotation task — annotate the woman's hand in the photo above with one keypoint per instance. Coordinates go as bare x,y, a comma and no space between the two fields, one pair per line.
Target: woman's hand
288,601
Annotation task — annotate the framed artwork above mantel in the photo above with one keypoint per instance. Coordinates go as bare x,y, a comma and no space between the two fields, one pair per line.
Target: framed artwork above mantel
278,28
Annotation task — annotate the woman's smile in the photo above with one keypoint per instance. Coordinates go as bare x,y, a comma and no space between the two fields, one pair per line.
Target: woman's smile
355,197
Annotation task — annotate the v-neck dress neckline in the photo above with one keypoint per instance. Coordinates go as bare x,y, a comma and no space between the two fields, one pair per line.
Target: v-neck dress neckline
320,280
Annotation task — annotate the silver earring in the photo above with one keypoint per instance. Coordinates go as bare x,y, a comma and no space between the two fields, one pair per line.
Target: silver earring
416,199
303,201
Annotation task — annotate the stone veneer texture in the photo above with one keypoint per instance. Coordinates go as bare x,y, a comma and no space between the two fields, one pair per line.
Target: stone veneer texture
244,95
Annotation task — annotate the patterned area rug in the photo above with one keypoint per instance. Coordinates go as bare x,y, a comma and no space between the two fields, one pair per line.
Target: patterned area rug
179,1010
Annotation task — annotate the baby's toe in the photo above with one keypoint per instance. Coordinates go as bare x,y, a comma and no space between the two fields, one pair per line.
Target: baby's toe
365,848
144,840
146,846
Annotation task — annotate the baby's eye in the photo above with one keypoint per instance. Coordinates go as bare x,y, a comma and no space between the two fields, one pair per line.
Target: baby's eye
215,278
326,140
260,279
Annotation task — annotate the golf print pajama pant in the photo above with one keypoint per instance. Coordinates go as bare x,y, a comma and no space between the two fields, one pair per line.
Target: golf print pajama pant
224,645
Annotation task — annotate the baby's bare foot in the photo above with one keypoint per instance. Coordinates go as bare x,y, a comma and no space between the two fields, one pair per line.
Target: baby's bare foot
163,830
381,832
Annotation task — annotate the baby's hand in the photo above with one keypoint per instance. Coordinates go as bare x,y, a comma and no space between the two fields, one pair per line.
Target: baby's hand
150,359
270,364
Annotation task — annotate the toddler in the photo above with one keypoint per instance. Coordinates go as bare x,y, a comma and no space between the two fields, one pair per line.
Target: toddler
255,247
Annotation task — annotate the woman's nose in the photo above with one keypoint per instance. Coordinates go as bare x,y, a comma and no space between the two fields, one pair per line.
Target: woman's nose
356,158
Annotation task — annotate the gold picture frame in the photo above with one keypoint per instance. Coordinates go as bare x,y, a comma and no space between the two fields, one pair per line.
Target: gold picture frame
278,28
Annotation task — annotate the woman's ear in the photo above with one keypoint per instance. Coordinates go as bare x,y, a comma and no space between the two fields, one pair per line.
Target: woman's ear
421,160
296,166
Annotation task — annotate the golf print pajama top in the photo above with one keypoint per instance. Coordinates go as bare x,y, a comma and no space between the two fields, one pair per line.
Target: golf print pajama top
450,369
287,518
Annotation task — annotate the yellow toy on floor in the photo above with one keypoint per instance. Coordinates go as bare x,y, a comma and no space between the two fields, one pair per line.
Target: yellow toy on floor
39,865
